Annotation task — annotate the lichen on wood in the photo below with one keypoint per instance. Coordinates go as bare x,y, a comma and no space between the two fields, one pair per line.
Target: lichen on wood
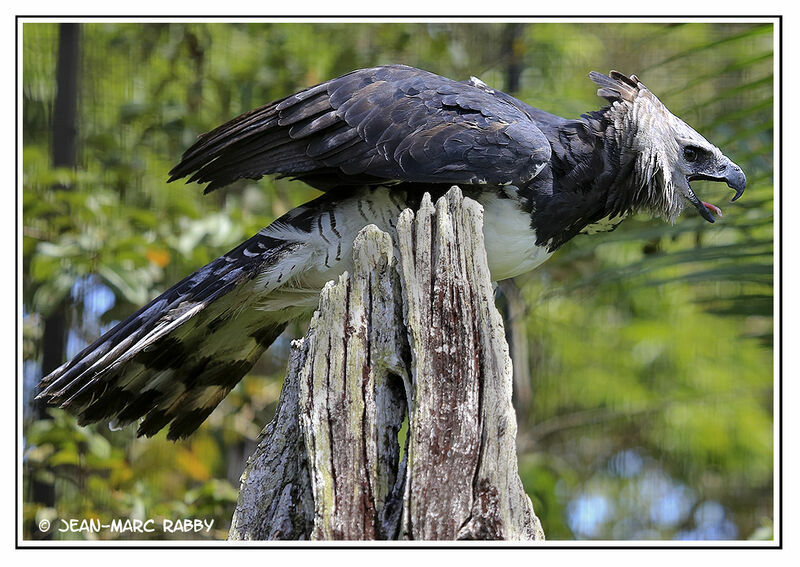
412,332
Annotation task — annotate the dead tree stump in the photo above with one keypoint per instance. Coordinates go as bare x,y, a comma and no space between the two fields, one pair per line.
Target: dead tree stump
412,333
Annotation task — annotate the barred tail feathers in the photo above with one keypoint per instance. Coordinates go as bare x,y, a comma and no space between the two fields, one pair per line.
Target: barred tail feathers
176,358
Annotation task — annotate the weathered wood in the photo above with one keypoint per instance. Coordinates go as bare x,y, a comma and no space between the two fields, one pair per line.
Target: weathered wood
416,332
275,498
327,464
352,400
462,471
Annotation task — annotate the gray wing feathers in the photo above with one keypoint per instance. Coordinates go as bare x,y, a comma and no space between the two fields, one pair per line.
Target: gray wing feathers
373,125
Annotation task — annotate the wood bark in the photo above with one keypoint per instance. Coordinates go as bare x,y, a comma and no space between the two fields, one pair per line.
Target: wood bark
412,334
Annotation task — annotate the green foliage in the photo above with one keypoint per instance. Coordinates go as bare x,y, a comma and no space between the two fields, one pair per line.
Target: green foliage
651,347
655,341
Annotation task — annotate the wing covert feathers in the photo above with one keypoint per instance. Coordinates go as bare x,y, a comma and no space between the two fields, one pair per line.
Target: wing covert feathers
373,125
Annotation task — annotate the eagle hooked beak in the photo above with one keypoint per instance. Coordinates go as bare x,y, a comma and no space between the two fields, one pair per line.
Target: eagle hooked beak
726,171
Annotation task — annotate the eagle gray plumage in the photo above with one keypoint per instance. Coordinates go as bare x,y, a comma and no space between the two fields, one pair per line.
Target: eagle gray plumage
374,141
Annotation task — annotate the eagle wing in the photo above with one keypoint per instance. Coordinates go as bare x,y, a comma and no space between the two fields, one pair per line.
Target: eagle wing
174,360
391,123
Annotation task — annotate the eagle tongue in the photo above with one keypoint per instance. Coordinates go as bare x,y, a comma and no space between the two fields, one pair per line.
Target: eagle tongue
705,209
712,208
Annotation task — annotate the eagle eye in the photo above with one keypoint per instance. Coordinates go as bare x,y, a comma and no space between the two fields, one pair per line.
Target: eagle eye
690,153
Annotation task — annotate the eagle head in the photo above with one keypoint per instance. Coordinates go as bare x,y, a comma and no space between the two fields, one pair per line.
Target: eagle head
667,153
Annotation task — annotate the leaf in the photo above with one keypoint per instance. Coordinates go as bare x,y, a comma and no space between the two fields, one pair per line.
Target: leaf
66,455
192,465
132,284
158,256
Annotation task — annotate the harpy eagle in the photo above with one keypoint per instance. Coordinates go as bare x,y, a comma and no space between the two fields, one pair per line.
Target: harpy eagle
374,140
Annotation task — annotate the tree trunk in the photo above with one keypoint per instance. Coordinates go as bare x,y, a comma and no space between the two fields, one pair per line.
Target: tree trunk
514,311
413,331
64,154
513,50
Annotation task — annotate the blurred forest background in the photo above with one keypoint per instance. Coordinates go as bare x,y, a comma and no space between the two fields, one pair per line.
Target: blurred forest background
643,357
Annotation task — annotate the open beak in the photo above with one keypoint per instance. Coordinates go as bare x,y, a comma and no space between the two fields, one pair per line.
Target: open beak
728,172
